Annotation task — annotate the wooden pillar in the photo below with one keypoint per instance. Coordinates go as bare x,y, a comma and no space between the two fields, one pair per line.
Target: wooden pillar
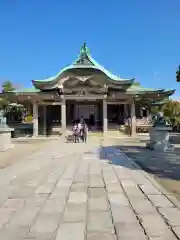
133,119
63,115
29,108
148,112
45,119
126,110
105,119
141,112
35,120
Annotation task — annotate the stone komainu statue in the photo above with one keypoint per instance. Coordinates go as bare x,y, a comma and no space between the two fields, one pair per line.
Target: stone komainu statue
3,120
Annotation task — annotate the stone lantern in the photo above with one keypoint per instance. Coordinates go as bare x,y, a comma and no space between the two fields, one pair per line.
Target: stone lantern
5,133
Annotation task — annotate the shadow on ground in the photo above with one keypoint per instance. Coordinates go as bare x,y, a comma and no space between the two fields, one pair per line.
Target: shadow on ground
108,153
175,138
165,167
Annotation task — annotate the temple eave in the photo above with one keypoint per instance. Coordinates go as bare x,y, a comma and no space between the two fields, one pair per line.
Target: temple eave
158,92
68,70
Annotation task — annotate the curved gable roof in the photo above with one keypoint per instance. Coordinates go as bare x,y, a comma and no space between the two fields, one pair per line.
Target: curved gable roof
84,61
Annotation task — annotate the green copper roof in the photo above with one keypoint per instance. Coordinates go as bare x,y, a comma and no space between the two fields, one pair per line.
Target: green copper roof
26,90
134,90
157,103
137,88
84,61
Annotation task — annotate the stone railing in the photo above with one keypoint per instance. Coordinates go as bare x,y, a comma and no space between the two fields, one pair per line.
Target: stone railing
144,121
142,124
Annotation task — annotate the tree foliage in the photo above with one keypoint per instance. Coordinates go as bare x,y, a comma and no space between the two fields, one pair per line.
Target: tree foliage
7,86
136,83
155,110
171,111
5,97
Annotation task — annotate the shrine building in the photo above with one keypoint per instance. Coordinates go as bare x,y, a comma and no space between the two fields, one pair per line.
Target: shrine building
84,88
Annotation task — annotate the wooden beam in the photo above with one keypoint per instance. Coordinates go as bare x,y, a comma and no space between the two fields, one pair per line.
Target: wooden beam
51,103
85,97
117,102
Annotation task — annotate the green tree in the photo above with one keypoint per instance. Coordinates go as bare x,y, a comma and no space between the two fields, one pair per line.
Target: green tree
155,110
7,86
136,83
171,111
6,97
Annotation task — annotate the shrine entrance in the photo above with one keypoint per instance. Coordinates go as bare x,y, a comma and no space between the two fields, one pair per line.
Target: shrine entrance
83,110
78,109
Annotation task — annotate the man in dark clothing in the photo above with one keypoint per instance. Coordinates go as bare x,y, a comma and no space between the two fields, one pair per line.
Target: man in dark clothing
91,121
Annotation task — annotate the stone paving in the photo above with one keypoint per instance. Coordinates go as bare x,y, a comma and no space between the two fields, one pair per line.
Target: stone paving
74,191
165,167
21,149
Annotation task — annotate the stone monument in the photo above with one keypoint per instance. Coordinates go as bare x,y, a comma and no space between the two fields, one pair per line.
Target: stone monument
159,135
5,133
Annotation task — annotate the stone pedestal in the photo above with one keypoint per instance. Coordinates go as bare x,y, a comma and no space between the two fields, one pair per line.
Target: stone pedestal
159,139
5,139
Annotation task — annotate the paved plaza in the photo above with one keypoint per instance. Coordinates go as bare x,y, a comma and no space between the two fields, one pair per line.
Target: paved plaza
164,166
92,191
20,149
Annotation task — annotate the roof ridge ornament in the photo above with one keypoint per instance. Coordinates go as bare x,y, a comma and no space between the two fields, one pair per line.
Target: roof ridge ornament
84,49
83,57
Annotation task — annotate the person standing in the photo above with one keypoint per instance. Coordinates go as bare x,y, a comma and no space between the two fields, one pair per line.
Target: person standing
76,133
91,121
84,132
81,120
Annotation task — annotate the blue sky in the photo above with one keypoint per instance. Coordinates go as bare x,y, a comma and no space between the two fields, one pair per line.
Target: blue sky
138,38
